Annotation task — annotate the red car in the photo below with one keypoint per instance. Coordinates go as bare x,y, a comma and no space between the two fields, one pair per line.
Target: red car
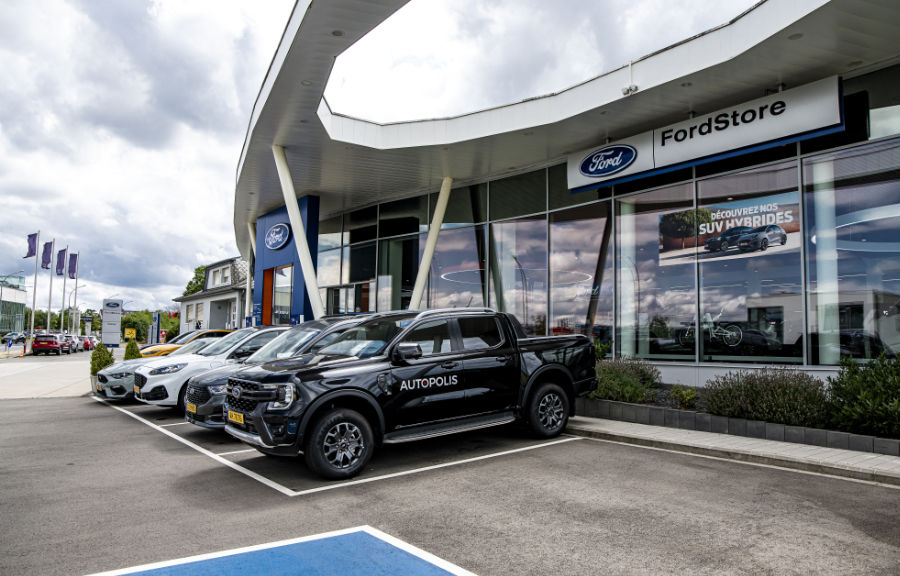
49,344
88,344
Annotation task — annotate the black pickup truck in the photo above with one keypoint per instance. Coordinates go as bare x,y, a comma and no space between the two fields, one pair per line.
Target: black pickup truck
403,376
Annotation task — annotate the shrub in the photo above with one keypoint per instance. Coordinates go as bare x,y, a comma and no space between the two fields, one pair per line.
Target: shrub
866,398
774,395
132,350
626,380
684,398
101,357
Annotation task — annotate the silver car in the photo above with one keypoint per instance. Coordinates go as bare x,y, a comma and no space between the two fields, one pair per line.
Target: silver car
116,381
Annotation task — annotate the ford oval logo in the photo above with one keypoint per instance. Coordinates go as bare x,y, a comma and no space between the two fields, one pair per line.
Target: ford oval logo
277,236
112,304
609,160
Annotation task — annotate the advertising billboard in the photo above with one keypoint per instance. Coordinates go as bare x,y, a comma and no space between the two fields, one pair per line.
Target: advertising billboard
111,331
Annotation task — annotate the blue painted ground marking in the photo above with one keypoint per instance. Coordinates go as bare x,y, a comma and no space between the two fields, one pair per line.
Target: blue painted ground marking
360,551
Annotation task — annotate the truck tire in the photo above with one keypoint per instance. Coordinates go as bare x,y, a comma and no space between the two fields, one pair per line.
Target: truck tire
340,444
548,411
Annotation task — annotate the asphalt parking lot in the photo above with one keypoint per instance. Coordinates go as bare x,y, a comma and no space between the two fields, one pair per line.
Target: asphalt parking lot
89,488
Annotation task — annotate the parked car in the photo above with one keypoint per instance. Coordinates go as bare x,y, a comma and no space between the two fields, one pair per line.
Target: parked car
116,381
49,344
14,337
86,342
762,237
726,239
206,392
163,349
163,381
75,344
403,376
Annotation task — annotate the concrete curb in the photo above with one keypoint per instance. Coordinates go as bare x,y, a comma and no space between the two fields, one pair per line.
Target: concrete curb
883,477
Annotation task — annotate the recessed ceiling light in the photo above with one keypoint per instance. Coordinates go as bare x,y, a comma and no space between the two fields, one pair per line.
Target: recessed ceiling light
306,82
686,84
337,33
796,36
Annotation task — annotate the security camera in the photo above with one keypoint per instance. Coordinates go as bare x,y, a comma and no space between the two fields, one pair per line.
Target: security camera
630,89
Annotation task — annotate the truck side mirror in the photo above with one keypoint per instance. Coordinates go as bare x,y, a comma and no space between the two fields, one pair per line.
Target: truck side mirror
407,351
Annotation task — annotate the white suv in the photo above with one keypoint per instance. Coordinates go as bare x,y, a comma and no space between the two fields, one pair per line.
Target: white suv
163,381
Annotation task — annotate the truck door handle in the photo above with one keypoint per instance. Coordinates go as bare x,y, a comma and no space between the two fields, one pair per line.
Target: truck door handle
501,359
447,365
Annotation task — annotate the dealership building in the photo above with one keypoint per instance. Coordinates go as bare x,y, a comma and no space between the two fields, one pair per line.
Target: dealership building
732,201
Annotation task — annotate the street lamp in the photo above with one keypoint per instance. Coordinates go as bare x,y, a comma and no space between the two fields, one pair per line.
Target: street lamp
72,293
2,282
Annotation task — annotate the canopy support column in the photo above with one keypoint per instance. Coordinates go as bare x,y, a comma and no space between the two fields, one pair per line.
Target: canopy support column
425,265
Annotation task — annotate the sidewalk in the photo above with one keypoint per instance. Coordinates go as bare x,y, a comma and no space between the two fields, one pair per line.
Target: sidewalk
831,461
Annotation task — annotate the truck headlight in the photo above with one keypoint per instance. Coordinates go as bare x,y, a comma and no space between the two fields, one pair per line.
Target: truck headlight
219,390
171,368
285,397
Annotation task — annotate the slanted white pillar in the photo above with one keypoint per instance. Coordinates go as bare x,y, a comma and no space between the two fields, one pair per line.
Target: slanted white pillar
425,265
251,265
290,202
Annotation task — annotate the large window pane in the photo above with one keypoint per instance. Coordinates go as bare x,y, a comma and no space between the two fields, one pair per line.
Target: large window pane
330,235
466,206
853,253
581,271
657,296
457,277
519,271
407,216
328,268
398,265
361,225
748,238
519,195
559,195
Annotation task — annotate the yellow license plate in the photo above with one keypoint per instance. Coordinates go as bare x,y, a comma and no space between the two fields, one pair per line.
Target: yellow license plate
235,417
192,408
137,390
99,388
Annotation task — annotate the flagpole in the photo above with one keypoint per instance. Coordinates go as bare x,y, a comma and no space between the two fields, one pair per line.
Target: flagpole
62,306
50,298
76,329
37,245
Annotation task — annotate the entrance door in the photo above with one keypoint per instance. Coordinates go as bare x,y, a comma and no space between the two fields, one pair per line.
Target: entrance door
350,298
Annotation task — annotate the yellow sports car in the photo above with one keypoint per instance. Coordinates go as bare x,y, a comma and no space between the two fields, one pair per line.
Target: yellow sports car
154,350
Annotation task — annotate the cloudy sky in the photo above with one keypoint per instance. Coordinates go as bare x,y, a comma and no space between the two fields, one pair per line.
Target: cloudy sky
121,121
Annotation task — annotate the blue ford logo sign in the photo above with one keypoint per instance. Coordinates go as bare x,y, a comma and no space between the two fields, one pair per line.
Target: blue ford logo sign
607,161
277,236
112,304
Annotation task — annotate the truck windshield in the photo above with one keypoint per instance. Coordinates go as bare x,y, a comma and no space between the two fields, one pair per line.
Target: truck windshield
369,338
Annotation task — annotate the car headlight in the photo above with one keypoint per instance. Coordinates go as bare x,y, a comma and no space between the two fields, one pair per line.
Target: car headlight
285,397
219,390
120,375
171,368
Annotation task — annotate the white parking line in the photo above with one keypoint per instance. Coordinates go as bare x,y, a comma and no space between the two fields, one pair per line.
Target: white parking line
175,424
237,452
288,492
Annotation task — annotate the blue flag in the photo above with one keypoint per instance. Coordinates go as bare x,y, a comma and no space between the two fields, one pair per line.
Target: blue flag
47,255
32,245
73,266
61,262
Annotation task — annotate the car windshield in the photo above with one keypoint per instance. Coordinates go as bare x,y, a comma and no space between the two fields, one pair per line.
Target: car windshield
286,345
182,337
226,342
738,230
758,230
369,338
194,346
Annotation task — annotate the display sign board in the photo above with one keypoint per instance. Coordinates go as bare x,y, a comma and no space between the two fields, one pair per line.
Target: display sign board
162,336
111,327
130,333
770,119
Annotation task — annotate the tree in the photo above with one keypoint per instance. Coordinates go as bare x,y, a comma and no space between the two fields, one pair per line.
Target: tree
683,224
196,283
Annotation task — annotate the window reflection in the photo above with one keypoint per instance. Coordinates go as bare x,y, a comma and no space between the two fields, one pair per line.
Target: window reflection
519,271
748,237
581,271
853,256
657,296
398,265
457,277
283,284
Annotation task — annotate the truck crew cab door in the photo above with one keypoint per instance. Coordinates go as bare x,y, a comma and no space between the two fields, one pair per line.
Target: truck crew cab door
490,363
431,387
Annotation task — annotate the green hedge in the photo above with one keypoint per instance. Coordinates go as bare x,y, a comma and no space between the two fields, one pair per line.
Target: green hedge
626,380
865,398
779,396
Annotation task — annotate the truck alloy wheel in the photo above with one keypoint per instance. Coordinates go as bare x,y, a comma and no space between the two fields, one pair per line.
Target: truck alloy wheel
340,444
549,411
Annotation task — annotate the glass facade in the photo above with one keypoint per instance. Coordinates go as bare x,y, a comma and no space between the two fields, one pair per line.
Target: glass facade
787,255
